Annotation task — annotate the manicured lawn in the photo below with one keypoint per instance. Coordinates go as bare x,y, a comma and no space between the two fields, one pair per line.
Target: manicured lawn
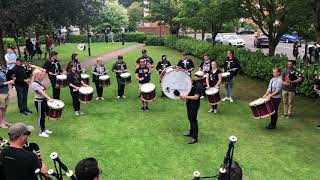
130,144
65,51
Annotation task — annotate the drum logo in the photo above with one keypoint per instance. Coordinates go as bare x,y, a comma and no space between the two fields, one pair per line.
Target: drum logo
168,90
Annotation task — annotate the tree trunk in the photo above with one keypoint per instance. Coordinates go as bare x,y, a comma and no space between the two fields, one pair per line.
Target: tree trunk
203,32
17,44
316,14
195,34
215,28
272,46
2,50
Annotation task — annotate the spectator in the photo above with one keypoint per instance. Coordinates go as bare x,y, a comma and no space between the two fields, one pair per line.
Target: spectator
295,50
48,42
97,37
38,48
18,163
30,49
4,99
111,37
10,58
88,169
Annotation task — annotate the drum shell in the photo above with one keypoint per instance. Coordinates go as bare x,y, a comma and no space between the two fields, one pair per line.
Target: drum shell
226,79
126,80
214,99
263,110
61,83
150,96
85,98
53,114
85,80
104,83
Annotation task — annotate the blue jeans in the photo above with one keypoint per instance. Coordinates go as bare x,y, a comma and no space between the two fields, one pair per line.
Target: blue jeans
22,94
229,88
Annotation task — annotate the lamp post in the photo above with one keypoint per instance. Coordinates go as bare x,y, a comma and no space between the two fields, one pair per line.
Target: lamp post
89,42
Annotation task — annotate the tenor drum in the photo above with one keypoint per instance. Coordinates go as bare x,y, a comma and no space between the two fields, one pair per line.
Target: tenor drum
176,80
262,108
85,78
125,78
213,96
61,81
226,77
55,108
104,81
148,92
204,80
85,94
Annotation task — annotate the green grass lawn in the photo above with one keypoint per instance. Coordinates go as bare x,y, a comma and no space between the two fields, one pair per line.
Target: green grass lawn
130,144
65,51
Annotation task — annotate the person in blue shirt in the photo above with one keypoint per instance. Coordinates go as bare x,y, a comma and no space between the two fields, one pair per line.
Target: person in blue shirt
11,59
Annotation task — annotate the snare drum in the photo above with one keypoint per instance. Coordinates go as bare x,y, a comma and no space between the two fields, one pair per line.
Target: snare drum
148,92
262,108
125,78
175,79
85,94
226,77
61,81
104,81
213,96
85,78
55,108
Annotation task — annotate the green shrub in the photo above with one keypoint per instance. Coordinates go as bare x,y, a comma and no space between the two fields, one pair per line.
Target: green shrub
9,42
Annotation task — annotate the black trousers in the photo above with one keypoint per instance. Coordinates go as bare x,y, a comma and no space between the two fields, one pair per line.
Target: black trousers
22,95
121,87
214,107
98,88
274,118
41,107
192,111
75,100
55,90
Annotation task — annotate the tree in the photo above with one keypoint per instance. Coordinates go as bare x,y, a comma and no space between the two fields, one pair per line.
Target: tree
275,17
315,4
135,15
127,3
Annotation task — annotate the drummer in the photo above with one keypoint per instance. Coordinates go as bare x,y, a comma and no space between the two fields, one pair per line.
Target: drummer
40,101
162,65
186,63
142,74
148,59
231,65
193,104
213,80
97,70
120,67
75,60
274,93
75,82
205,67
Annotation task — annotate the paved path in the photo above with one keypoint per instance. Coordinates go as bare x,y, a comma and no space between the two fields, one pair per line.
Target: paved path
89,63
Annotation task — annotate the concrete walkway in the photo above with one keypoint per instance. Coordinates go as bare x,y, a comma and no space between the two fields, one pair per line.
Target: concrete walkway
87,64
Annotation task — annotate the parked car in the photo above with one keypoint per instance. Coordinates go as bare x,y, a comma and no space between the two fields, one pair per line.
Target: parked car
233,40
218,38
290,38
261,41
244,31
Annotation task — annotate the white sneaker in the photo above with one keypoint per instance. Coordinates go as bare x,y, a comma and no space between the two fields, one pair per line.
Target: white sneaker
118,97
210,111
81,113
123,97
102,98
215,111
44,134
224,99
97,98
77,113
231,100
48,131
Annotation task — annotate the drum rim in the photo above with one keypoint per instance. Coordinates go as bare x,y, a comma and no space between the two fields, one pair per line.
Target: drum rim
61,107
225,73
252,103
107,77
86,87
123,75
83,75
61,75
211,89
146,84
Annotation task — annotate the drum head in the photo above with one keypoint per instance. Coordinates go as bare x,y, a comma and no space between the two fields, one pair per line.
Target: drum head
55,104
86,90
104,77
258,102
225,74
84,76
61,76
176,79
147,87
125,75
212,91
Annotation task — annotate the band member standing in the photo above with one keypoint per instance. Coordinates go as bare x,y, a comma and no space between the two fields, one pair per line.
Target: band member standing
143,73
40,101
75,60
193,104
22,81
148,59
53,69
97,70
213,80
120,67
274,93
231,65
75,82
162,65
205,67
291,80
186,63
4,98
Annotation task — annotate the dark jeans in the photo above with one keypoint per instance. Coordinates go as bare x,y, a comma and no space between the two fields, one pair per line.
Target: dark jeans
55,90
274,118
22,94
75,100
192,117
214,107
41,107
98,88
120,87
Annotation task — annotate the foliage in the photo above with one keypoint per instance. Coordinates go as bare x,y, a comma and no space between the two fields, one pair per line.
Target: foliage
127,3
135,14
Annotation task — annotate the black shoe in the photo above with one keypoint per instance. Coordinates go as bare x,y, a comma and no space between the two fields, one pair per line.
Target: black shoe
24,113
146,108
193,141
142,109
318,127
187,135
28,111
270,127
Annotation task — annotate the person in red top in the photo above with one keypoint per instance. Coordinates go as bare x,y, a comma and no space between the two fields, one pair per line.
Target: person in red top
48,42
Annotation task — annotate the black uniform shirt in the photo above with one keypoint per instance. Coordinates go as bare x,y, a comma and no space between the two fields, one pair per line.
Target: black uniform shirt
186,64
52,66
214,77
162,65
229,65
20,73
74,78
119,66
196,89
143,72
205,67
149,59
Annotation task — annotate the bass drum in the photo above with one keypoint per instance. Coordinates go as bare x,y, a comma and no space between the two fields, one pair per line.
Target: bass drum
176,79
